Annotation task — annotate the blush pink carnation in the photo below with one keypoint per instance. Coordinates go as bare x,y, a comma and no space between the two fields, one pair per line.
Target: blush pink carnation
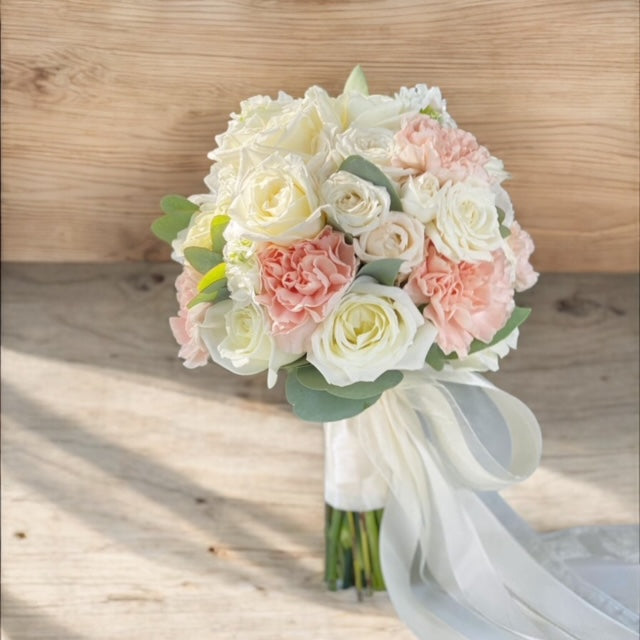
522,246
185,325
449,154
464,300
302,283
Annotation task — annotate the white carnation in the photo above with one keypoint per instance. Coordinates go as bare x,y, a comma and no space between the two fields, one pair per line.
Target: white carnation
420,97
399,236
466,224
352,204
243,267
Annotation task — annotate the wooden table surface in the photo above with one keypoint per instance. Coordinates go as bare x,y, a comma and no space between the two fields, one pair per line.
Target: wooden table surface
143,501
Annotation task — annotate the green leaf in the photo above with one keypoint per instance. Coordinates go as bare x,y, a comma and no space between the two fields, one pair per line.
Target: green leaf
300,362
167,227
505,232
431,112
201,259
212,276
179,205
357,81
501,215
320,406
436,358
218,225
366,170
222,293
311,378
519,315
385,271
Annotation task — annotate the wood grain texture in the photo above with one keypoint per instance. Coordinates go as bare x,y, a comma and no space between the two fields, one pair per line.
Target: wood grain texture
109,105
143,500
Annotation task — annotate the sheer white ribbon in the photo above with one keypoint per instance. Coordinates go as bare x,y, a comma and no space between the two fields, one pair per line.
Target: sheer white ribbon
456,561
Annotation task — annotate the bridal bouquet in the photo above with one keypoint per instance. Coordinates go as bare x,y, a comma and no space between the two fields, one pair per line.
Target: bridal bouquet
364,246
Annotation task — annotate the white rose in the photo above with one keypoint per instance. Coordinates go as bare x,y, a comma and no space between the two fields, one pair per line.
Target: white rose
238,339
419,197
374,144
373,329
244,127
277,201
298,127
243,267
398,236
352,204
466,224
487,359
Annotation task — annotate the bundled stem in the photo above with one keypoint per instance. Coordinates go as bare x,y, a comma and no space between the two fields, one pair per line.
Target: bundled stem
352,555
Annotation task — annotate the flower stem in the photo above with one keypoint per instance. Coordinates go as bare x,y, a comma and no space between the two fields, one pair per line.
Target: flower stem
366,553
333,540
357,560
352,556
374,545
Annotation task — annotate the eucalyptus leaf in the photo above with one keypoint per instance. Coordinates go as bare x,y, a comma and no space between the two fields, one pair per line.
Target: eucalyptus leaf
320,406
218,225
311,378
357,81
201,259
501,215
385,271
436,358
519,315
358,166
505,232
167,227
175,204
215,274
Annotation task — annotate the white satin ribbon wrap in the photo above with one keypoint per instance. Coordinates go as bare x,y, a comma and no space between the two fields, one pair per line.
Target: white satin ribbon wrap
457,562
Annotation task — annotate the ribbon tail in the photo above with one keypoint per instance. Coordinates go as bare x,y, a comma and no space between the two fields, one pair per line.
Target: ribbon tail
457,563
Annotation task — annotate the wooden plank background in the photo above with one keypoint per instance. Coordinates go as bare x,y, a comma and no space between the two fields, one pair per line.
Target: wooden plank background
108,105
145,501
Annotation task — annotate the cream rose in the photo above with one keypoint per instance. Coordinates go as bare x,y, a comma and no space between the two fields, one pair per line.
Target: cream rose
352,204
238,339
255,114
290,126
466,224
373,329
419,197
398,236
277,201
